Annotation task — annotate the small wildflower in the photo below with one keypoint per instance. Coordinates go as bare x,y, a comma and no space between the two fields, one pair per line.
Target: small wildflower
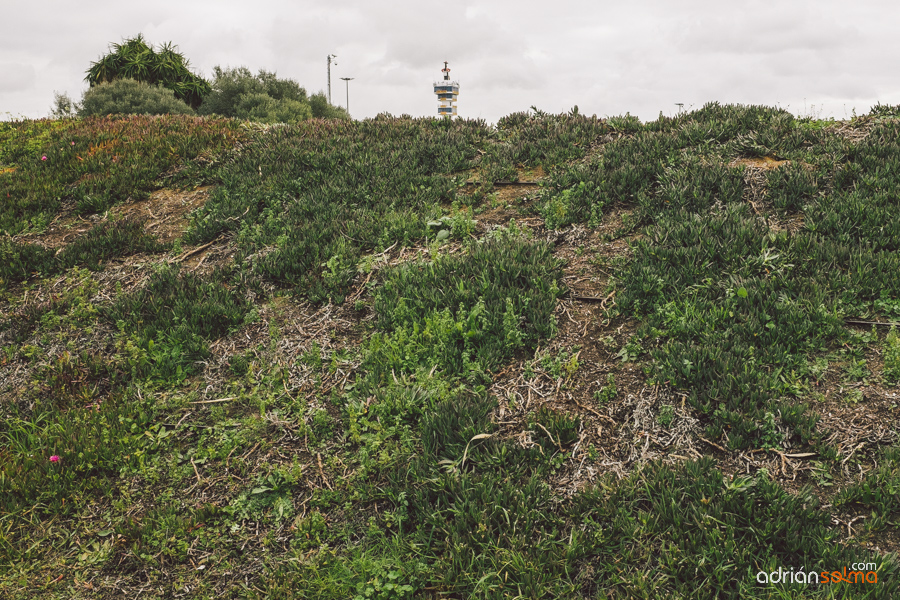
55,458
43,158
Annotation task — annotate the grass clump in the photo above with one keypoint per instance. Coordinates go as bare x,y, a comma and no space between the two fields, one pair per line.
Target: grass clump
524,140
19,261
708,536
91,444
878,491
465,315
165,325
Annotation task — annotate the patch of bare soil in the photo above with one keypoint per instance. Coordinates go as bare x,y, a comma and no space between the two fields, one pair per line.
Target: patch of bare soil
165,211
762,162
164,214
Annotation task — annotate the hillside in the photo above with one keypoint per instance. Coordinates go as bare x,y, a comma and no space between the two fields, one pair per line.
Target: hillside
561,357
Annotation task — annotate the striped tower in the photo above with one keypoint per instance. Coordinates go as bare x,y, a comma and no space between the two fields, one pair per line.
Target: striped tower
447,92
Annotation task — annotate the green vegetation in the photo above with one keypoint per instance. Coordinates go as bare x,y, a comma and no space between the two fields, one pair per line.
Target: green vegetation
104,241
304,221
130,97
355,375
97,162
264,98
134,59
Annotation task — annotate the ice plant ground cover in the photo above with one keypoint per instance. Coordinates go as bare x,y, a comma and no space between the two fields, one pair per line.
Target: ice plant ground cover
559,357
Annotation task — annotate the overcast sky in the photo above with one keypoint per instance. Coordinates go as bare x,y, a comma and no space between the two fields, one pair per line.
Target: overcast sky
822,58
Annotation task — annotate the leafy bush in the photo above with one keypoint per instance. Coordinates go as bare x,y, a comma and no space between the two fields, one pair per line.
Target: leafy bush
321,109
237,93
130,97
265,109
63,106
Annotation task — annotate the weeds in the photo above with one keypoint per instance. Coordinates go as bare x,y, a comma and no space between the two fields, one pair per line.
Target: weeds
197,444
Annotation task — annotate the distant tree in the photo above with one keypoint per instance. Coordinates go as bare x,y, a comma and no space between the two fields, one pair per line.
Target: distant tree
130,97
266,109
134,59
236,92
321,109
63,106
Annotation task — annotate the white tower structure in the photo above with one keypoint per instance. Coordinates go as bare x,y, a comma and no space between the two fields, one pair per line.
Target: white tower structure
447,92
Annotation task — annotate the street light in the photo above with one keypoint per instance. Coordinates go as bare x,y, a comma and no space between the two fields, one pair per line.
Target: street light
348,80
330,56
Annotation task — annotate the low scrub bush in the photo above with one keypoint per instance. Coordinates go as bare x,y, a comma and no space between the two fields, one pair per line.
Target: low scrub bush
130,97
111,239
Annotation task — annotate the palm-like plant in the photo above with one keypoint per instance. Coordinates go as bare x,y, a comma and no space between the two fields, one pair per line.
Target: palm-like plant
135,59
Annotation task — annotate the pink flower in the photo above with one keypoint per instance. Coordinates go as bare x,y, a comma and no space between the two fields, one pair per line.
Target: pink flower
73,143
43,158
55,458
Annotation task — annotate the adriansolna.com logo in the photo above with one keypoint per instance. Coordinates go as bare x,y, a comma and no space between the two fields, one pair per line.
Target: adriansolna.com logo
856,573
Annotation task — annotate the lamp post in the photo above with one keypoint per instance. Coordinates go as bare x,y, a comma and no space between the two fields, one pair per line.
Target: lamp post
348,80
330,56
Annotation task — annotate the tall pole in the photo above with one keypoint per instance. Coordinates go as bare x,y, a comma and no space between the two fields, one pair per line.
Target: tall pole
348,80
330,56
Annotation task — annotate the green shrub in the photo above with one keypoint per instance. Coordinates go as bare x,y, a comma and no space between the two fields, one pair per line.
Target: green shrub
466,314
321,109
237,93
265,109
130,97
107,240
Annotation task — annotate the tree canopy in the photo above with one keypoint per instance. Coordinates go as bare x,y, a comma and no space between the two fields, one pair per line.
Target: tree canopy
237,92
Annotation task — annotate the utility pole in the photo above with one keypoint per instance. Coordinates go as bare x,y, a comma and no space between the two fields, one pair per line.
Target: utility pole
348,80
330,56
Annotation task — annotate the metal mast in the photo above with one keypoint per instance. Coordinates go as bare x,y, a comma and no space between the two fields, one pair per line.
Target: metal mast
330,56
348,80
